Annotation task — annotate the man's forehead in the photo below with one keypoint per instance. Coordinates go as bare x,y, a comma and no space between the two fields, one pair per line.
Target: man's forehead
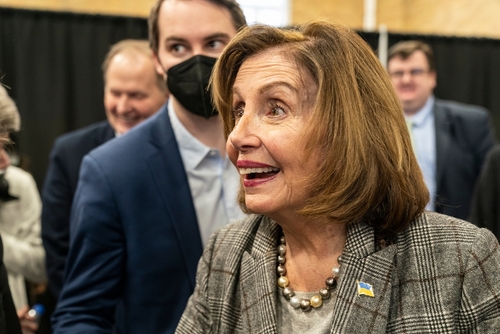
415,58
186,17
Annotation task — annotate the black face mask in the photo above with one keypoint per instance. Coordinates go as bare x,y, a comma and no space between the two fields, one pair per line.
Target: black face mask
188,82
4,190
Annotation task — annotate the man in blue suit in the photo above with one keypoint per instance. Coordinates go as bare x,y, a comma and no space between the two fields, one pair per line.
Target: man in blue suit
147,202
133,91
450,139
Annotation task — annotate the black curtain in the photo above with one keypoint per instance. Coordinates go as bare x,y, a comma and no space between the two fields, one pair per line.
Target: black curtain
52,63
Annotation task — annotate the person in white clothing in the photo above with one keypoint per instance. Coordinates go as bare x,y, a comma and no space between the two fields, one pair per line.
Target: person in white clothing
24,255
20,211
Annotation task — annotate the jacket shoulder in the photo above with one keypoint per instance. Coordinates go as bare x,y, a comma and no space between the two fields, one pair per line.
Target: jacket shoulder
89,135
132,145
443,241
460,109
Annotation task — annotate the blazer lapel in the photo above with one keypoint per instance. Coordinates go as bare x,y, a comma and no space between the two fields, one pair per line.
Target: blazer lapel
354,312
107,133
167,169
258,284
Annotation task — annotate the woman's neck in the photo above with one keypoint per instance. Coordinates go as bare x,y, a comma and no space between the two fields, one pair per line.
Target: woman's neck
312,250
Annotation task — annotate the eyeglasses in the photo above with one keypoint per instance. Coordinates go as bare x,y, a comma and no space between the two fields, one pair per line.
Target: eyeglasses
416,72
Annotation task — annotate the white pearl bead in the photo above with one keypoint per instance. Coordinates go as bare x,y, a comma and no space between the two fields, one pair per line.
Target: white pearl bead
295,302
336,271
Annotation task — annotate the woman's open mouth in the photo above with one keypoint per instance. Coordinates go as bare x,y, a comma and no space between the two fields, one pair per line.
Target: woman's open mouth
258,173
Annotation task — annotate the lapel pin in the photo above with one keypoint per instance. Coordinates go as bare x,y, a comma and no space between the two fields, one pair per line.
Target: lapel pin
365,289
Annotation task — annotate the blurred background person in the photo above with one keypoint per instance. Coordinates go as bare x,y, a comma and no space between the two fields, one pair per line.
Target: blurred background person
20,209
339,241
9,318
133,91
450,139
485,208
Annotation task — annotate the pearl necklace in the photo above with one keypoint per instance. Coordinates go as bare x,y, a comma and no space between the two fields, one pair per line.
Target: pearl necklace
316,300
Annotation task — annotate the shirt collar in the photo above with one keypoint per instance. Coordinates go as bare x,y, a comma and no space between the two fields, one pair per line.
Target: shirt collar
423,115
192,150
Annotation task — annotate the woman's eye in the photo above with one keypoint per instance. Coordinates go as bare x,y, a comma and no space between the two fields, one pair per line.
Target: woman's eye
238,112
277,111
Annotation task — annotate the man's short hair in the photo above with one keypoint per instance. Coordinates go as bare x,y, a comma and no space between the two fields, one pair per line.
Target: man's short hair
10,121
137,46
154,32
405,49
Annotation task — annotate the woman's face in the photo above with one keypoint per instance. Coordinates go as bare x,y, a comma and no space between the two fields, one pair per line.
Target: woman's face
272,102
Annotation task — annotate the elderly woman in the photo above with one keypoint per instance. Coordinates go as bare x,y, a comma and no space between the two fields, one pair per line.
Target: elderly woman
9,122
338,240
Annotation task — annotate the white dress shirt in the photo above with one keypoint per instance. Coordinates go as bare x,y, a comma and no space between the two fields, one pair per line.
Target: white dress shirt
424,141
213,180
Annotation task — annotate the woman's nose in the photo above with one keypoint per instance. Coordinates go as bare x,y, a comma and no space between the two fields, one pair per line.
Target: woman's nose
4,159
245,134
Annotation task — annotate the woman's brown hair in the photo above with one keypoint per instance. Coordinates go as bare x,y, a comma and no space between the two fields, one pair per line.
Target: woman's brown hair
367,170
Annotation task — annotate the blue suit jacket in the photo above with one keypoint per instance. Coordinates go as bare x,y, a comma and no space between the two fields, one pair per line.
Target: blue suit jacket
134,237
464,136
58,191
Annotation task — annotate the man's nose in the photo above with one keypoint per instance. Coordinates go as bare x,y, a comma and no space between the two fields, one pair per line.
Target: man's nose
406,77
122,104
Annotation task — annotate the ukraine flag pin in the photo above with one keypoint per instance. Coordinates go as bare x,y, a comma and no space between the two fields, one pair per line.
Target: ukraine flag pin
365,289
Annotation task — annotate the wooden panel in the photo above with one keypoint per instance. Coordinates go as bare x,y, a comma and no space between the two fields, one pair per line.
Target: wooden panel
457,17
444,17
114,7
349,12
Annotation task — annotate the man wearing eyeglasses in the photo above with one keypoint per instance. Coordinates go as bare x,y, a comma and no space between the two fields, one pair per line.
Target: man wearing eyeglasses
450,139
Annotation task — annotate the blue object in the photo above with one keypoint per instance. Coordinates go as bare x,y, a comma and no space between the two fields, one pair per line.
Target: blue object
37,312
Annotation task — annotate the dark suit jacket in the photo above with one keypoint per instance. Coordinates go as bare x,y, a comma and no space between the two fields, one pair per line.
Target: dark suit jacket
463,138
9,322
134,236
485,211
58,191
442,275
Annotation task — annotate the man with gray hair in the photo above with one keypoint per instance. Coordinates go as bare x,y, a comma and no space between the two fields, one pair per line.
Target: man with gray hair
133,91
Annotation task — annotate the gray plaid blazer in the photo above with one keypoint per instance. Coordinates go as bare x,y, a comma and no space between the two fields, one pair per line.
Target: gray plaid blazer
442,275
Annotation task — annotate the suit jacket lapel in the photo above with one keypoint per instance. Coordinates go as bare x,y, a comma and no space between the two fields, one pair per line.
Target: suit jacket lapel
167,169
258,284
107,134
356,313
